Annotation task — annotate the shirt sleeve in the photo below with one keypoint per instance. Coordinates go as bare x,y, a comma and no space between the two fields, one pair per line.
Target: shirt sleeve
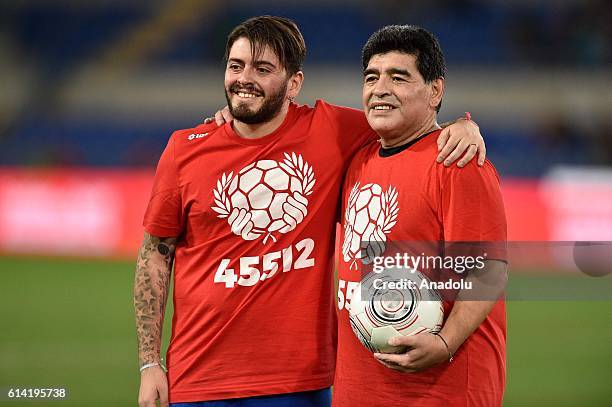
473,212
352,126
164,214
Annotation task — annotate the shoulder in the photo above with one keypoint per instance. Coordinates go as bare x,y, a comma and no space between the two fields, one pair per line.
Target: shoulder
183,136
185,140
325,107
472,170
348,124
471,176
364,156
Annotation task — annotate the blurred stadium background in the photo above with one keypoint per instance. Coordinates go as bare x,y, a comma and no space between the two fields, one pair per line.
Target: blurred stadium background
92,89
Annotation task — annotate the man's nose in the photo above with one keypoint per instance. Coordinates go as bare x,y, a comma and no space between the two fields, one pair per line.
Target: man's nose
246,75
381,88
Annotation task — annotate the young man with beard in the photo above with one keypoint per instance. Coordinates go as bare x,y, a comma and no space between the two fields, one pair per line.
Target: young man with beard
246,212
424,203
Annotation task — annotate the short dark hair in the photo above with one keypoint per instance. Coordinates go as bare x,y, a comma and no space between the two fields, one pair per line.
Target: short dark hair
281,34
408,39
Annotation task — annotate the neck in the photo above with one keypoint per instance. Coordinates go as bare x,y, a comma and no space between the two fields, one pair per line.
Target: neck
396,141
261,129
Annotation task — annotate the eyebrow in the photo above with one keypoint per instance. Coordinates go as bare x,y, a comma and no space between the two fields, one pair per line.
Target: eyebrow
257,63
390,71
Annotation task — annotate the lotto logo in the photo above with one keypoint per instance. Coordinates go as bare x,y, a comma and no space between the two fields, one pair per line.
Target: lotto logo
265,197
369,216
196,135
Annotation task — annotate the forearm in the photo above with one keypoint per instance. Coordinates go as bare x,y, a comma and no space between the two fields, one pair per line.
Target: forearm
463,320
151,287
472,306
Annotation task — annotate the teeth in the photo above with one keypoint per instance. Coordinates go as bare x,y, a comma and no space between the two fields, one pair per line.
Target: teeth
383,107
246,95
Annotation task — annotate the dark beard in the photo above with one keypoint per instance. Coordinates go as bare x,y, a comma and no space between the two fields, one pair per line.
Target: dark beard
270,108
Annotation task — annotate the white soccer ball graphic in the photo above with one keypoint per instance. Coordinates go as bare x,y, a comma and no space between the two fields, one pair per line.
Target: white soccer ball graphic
265,197
378,312
370,215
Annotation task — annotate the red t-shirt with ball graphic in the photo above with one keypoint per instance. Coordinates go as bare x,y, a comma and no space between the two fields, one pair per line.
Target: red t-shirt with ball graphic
408,197
253,287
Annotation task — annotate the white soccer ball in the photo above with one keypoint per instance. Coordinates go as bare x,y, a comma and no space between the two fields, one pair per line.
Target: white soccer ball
262,188
386,304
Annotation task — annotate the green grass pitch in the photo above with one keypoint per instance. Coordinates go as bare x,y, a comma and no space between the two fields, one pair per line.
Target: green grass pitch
69,323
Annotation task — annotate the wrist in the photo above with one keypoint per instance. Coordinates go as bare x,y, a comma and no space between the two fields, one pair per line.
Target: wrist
450,353
151,365
468,118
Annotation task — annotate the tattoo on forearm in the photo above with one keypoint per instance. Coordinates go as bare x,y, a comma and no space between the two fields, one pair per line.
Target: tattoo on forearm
151,286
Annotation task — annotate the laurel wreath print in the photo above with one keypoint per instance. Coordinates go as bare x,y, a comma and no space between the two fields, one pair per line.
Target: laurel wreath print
390,210
388,219
296,166
224,205
293,164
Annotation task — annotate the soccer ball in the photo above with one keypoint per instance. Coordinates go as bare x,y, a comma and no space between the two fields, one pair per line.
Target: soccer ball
390,304
262,188
364,214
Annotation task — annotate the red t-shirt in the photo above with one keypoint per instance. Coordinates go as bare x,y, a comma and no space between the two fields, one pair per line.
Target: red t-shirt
428,203
253,286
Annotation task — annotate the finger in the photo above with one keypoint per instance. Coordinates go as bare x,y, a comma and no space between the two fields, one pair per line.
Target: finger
375,248
443,138
244,222
291,216
275,227
456,153
209,120
163,396
300,198
289,224
482,154
250,235
390,366
403,340
239,222
227,115
147,402
147,396
248,227
292,207
240,217
295,211
379,245
233,215
417,356
392,358
290,221
379,249
450,145
219,119
398,368
468,156
298,205
369,255
347,239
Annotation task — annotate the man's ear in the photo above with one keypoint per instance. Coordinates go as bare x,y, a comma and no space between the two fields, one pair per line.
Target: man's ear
437,92
295,85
